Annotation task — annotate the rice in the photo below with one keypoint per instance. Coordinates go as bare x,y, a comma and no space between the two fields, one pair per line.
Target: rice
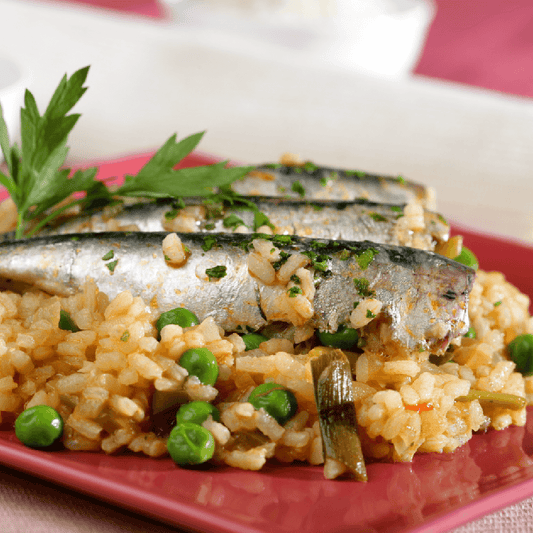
103,378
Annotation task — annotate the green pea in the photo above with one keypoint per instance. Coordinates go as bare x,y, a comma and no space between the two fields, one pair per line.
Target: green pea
471,333
521,353
253,340
466,257
190,444
276,400
200,362
197,412
39,426
344,338
180,316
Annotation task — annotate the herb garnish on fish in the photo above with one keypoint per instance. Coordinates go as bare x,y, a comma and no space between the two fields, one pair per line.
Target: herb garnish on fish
41,188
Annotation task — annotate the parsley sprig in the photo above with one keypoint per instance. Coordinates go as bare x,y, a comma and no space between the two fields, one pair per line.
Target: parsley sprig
42,187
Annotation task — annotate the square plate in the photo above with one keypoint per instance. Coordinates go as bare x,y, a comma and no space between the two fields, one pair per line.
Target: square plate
434,493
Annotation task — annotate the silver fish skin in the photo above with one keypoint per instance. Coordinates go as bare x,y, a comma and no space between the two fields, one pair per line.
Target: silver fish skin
424,295
356,220
326,183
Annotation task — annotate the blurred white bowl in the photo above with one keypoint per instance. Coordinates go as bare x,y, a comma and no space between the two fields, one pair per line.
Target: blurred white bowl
383,37
13,82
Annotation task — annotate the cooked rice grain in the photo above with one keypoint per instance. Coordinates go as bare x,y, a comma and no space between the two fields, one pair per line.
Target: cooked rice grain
101,378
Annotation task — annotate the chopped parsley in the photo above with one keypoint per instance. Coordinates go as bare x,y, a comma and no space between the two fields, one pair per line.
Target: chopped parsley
310,167
400,179
365,258
297,187
109,255
294,291
496,304
210,226
232,221
324,180
370,314
178,205
282,260
471,333
172,214
318,261
396,208
282,239
344,255
378,217
209,242
295,279
112,265
358,173
317,244
363,287
66,323
216,272
125,336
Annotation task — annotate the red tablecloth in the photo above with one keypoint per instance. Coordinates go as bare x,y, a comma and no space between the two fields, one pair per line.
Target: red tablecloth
486,43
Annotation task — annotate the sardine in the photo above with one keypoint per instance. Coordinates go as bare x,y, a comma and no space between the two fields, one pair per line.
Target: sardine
312,182
356,220
424,296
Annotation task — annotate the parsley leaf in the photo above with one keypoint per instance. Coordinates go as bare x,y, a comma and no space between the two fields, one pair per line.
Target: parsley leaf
158,178
36,179
42,188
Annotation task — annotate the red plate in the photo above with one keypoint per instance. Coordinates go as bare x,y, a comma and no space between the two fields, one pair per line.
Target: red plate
433,494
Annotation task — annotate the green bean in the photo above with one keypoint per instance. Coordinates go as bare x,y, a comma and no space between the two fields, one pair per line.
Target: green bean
511,401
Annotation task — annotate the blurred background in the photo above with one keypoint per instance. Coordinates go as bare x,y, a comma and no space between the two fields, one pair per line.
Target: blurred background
436,90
